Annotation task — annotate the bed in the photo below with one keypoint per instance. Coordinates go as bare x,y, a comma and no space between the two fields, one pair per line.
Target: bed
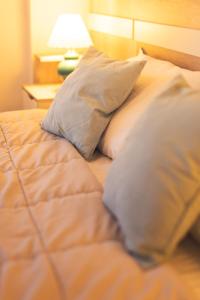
57,240
186,260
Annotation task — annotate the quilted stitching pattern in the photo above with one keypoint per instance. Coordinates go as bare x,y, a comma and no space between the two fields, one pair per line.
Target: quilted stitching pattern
57,241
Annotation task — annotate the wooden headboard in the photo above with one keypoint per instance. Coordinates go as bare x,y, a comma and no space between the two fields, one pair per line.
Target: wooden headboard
178,13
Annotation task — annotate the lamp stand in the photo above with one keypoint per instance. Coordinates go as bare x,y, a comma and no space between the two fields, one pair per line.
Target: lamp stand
66,66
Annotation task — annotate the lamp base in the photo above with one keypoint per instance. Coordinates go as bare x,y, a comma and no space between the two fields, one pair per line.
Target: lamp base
66,66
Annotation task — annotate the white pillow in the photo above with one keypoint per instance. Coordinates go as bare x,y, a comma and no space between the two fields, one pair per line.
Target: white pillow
150,83
155,67
153,185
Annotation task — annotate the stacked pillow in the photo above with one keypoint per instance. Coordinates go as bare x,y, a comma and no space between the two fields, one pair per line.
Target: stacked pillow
84,104
152,187
153,184
151,82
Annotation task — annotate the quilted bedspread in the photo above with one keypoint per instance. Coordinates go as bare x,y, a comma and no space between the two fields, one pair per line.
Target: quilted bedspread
57,241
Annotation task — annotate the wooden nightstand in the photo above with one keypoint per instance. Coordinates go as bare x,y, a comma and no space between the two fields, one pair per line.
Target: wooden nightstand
42,94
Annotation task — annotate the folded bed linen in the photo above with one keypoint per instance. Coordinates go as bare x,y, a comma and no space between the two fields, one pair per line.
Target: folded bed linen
57,241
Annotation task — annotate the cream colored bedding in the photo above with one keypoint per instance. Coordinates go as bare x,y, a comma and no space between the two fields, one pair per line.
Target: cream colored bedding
57,241
186,259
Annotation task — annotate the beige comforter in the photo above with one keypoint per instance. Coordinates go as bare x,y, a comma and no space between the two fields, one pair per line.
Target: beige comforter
57,241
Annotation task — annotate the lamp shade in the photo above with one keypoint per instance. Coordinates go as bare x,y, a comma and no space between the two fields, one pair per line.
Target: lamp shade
70,32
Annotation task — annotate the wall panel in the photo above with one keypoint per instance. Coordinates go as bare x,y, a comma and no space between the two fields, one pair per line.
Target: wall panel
180,13
171,12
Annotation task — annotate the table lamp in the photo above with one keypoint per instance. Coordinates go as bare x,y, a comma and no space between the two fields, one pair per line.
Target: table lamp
69,33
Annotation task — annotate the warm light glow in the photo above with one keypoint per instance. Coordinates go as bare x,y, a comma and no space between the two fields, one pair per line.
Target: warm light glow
70,32
111,25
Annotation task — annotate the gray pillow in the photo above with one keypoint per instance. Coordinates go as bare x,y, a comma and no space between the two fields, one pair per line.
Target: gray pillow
84,104
153,187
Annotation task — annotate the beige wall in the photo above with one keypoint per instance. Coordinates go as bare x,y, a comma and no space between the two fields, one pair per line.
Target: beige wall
43,17
14,52
24,31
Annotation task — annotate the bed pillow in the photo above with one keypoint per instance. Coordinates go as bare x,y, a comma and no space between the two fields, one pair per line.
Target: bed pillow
153,185
150,83
195,231
193,78
154,68
83,106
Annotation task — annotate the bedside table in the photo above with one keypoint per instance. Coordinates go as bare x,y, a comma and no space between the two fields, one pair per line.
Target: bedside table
42,94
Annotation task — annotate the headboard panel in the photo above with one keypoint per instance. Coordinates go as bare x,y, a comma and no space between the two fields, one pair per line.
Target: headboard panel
113,46
181,13
185,13
180,59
